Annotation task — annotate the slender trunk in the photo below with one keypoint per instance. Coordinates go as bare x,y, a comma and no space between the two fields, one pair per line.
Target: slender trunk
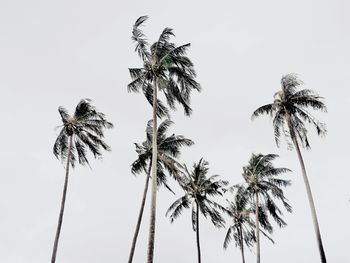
60,219
309,193
197,234
152,226
241,243
257,227
138,224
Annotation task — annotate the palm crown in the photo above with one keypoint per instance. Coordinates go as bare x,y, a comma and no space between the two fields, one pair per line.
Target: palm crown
260,177
166,63
290,108
168,151
198,190
86,129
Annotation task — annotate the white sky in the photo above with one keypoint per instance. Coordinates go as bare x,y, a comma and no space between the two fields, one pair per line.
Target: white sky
54,53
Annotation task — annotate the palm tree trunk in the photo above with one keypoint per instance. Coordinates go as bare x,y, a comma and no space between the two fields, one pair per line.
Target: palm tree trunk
152,226
257,228
309,194
241,244
60,219
197,234
138,224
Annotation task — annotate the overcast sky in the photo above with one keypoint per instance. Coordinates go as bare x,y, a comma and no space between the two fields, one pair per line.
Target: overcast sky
55,53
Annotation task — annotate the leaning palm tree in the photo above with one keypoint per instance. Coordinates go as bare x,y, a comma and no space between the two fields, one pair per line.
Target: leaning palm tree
81,132
290,114
168,151
242,228
198,190
167,68
263,186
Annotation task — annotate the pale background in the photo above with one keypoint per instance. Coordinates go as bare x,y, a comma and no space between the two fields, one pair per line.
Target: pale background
54,53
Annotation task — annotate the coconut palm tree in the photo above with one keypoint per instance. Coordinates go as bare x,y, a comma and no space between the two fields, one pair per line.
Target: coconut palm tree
167,68
198,192
81,132
290,115
168,151
263,186
242,228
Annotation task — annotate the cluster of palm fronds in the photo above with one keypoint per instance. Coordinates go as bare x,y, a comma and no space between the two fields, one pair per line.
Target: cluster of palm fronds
250,206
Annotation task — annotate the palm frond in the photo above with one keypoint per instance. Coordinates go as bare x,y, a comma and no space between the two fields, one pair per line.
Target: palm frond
64,114
175,52
278,125
228,237
140,39
306,116
266,109
290,82
138,79
310,101
161,110
177,207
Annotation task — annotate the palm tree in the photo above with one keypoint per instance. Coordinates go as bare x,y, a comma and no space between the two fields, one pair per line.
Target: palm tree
263,187
81,132
198,190
167,68
168,152
290,110
242,229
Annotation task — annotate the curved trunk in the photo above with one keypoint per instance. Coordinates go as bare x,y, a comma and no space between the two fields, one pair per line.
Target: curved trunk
60,218
138,224
241,243
309,194
152,226
257,228
197,234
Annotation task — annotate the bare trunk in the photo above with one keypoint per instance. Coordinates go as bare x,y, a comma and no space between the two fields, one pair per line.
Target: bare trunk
152,226
241,243
138,224
257,227
197,234
60,219
309,193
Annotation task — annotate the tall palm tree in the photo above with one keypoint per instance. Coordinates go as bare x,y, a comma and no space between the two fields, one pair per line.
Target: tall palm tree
263,186
198,192
81,132
168,151
242,228
290,114
167,68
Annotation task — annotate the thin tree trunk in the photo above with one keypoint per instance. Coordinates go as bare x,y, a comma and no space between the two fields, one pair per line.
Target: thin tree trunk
241,244
138,224
60,219
257,228
309,194
197,234
152,226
